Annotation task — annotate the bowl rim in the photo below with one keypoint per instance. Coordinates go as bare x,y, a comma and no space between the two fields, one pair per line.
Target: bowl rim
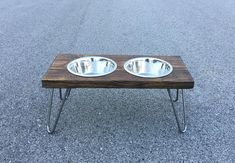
144,76
97,75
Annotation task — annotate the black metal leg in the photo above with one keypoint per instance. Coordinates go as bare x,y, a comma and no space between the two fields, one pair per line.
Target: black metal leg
61,96
50,129
177,96
184,126
60,91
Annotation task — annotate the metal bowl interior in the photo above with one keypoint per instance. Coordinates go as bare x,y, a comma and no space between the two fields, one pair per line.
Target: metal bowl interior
148,67
92,66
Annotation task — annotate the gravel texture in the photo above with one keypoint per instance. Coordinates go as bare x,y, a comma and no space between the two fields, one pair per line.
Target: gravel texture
117,125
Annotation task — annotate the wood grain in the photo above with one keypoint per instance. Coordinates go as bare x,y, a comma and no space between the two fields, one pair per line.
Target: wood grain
58,76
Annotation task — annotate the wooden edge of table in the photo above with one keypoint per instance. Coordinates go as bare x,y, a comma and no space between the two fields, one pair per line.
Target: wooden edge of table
113,80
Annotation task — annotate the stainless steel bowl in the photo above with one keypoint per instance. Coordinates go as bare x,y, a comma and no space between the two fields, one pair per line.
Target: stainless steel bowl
91,66
148,67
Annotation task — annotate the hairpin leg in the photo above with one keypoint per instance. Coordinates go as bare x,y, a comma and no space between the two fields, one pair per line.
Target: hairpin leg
184,126
177,96
50,129
61,96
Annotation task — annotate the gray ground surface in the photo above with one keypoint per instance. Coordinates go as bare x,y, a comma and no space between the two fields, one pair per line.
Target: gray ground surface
110,125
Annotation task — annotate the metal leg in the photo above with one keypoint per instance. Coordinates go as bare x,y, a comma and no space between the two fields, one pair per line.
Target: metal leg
66,95
184,126
177,96
60,91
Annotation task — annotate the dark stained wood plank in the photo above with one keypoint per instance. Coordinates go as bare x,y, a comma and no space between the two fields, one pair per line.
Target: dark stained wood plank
58,76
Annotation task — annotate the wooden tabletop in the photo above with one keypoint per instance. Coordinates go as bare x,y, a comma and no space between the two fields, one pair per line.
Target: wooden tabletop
58,76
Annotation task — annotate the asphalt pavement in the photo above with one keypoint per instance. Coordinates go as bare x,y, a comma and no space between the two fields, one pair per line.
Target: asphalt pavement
117,125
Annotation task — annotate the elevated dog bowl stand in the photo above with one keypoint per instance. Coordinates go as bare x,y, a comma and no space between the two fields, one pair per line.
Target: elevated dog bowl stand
58,77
